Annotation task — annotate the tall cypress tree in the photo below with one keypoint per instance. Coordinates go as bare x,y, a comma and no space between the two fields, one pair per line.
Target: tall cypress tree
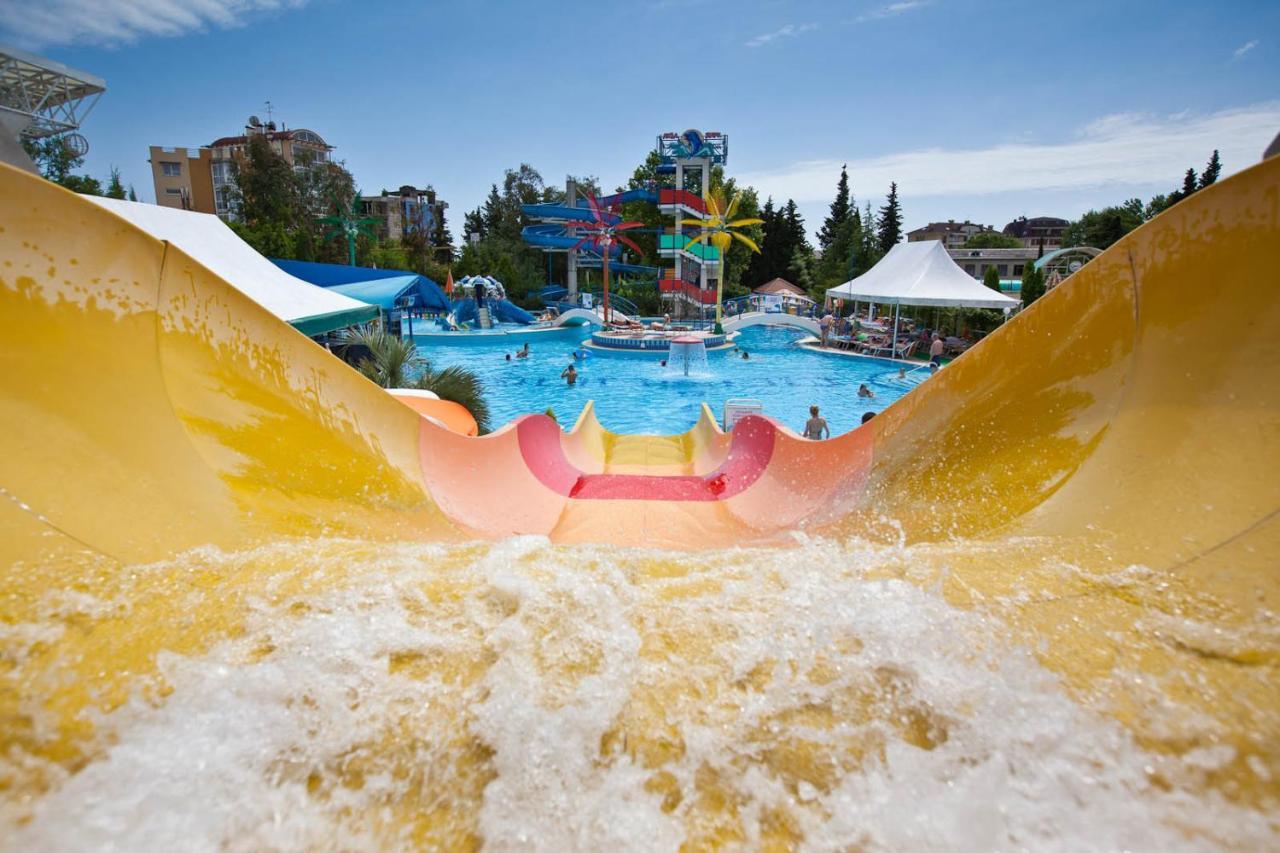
890,230
763,265
870,250
839,212
1211,171
1189,183
856,239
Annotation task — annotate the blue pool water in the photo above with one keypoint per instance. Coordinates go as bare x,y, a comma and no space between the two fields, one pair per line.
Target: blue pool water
634,394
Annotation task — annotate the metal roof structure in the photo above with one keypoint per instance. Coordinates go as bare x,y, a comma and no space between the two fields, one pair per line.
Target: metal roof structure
50,98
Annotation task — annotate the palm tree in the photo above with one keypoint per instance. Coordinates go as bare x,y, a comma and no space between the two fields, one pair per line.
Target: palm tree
717,229
350,223
601,230
460,385
391,361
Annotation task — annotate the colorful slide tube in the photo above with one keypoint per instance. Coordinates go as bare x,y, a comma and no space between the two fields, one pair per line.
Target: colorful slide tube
1122,436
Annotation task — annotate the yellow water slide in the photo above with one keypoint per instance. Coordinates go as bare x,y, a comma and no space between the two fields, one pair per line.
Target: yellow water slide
1102,475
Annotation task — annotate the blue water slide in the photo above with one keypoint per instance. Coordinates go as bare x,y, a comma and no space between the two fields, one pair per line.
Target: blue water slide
553,237
464,311
560,212
506,312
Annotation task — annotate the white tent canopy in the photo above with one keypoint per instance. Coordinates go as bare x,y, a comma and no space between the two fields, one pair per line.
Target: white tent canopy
311,309
920,274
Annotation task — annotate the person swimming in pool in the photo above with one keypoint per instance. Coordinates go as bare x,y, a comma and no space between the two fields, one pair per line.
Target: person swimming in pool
864,391
523,353
569,375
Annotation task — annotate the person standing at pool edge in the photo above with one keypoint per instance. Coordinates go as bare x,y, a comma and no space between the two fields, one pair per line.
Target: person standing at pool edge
816,428
935,350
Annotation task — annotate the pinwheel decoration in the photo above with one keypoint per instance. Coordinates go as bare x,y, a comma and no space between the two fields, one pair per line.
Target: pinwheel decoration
718,230
599,233
350,223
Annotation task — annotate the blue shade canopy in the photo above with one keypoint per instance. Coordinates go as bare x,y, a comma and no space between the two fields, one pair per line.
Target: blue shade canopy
385,288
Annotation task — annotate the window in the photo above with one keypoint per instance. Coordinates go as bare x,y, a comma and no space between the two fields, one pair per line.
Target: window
172,191
1017,269
1003,269
222,172
170,169
969,269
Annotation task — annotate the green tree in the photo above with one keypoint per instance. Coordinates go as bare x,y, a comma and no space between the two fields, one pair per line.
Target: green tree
115,189
441,243
473,223
1101,228
1189,183
133,196
268,187
1155,207
800,268
53,157
392,362
1211,171
1033,280
839,215
991,278
890,221
992,240
869,253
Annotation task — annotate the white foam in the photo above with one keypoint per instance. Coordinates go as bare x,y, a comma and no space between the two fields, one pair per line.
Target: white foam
944,735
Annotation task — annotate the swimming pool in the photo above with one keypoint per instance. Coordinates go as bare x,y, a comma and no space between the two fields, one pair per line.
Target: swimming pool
634,394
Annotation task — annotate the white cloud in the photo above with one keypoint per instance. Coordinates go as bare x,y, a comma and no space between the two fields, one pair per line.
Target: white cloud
892,10
42,23
1245,48
787,31
1126,150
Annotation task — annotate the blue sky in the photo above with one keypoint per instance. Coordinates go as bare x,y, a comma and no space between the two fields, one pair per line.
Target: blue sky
979,109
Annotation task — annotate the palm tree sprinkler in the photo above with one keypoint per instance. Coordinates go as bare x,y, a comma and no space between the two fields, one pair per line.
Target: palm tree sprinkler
718,229
600,232
349,222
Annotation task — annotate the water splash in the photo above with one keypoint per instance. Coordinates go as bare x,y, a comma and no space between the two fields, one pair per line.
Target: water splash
363,695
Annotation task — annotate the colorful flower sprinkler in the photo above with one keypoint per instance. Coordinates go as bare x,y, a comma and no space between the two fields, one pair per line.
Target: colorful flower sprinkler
599,233
718,229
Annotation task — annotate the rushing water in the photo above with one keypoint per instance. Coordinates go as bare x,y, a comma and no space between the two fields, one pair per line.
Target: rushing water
338,694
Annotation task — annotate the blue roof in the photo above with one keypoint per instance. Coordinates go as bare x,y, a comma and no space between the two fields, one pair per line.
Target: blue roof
383,288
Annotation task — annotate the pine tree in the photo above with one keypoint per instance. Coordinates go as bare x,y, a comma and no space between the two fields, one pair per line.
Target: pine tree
1032,284
839,212
133,196
798,270
492,211
440,240
856,240
115,189
991,278
1211,171
473,223
1188,183
870,253
890,221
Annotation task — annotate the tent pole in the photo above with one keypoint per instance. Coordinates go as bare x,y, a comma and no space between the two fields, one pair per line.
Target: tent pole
897,311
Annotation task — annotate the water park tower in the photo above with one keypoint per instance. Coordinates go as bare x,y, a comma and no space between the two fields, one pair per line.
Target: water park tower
691,282
40,98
